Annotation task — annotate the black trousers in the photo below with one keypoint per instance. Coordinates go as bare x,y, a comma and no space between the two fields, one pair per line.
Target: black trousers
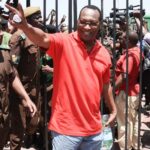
146,85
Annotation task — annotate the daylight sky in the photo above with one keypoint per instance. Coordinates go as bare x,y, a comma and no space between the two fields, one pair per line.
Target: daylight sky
63,5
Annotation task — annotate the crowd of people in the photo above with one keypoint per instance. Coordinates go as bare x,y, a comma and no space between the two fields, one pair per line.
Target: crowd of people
56,87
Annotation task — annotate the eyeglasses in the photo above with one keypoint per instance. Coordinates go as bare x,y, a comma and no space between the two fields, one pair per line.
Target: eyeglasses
91,24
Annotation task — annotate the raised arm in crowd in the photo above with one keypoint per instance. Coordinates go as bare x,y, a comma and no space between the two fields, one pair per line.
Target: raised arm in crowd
36,35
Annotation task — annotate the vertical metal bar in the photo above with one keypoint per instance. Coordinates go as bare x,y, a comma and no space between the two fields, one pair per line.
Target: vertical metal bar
101,26
114,55
75,14
28,3
56,8
70,15
127,78
102,12
114,45
140,94
89,2
44,12
45,86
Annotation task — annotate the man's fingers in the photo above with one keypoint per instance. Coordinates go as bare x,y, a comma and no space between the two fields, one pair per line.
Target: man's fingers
33,111
16,15
12,9
20,9
32,114
106,124
30,110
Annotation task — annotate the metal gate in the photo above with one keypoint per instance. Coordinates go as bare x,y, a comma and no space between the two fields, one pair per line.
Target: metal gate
72,25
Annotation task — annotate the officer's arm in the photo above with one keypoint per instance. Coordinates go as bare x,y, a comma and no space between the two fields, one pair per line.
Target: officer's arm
34,34
18,87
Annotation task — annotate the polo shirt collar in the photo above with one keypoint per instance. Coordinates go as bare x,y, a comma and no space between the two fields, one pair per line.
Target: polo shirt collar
130,49
77,38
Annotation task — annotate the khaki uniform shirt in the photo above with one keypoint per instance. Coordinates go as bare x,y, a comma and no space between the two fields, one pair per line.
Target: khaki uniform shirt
28,63
7,74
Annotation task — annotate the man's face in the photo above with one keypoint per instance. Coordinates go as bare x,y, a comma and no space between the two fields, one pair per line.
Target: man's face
123,40
36,20
88,24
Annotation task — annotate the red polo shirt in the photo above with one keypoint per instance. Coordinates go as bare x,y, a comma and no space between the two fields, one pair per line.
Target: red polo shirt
133,70
78,83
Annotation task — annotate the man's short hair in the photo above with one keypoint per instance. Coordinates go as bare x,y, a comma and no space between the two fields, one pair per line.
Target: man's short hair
93,7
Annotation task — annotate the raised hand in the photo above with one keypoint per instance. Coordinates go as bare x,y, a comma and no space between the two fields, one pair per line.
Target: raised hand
16,17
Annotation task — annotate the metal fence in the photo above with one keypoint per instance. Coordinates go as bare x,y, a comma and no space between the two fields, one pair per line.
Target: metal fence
72,25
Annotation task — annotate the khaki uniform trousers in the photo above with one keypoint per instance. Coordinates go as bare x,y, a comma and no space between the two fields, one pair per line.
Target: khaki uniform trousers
21,123
7,75
132,121
4,119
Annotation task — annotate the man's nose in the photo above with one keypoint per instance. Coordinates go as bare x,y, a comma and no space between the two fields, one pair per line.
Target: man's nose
87,26
40,19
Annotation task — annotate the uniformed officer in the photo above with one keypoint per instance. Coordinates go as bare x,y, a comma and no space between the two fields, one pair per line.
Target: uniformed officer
26,58
8,78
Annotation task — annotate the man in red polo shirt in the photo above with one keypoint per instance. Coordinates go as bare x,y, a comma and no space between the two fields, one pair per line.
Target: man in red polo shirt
133,92
81,75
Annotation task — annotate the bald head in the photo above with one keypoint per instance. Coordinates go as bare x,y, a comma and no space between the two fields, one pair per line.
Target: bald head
133,38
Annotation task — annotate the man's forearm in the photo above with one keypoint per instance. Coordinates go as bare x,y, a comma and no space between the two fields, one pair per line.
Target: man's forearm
108,96
107,92
138,22
119,81
36,35
18,87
